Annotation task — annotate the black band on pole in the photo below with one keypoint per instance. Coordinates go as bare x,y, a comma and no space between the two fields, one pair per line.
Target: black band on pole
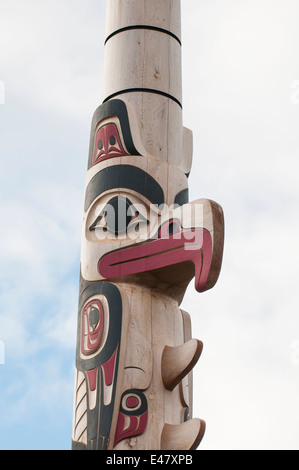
143,90
152,28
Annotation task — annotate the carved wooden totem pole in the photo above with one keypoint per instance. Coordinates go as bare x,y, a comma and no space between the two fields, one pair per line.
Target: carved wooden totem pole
143,242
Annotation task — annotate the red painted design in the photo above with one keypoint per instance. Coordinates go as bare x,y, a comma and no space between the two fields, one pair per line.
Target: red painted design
132,402
171,227
171,248
92,378
136,426
92,326
133,415
107,144
109,368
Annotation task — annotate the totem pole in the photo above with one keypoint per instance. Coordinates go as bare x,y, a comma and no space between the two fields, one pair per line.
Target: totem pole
142,244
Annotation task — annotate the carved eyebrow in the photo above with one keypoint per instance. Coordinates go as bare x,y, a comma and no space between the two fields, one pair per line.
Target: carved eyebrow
124,176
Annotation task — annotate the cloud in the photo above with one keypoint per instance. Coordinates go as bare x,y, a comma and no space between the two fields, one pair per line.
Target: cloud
53,53
239,64
245,158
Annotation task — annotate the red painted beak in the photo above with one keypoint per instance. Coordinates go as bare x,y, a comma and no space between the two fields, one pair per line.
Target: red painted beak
169,249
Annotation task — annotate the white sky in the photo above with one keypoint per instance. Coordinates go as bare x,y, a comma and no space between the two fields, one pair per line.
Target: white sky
241,99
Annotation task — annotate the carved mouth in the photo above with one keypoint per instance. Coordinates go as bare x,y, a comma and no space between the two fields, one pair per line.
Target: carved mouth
111,153
189,245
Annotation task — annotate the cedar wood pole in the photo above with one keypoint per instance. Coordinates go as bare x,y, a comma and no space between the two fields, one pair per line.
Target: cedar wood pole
142,244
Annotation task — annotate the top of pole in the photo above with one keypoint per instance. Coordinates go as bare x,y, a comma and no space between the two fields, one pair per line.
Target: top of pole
164,15
143,67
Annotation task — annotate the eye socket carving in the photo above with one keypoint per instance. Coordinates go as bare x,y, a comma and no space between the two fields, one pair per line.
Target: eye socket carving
118,217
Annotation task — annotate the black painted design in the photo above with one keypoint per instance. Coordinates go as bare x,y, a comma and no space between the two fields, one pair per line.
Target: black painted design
124,176
147,27
99,418
112,140
143,90
182,197
136,410
133,415
113,297
118,217
186,414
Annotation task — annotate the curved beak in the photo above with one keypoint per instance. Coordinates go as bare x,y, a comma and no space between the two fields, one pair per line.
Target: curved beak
169,249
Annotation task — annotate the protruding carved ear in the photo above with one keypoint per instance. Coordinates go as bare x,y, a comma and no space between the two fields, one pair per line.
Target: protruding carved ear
178,361
185,436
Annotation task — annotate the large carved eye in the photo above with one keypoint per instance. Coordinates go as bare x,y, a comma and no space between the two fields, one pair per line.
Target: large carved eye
114,217
138,219
119,216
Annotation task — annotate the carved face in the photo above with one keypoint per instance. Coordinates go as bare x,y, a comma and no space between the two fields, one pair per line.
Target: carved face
138,228
130,224
108,143
126,234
